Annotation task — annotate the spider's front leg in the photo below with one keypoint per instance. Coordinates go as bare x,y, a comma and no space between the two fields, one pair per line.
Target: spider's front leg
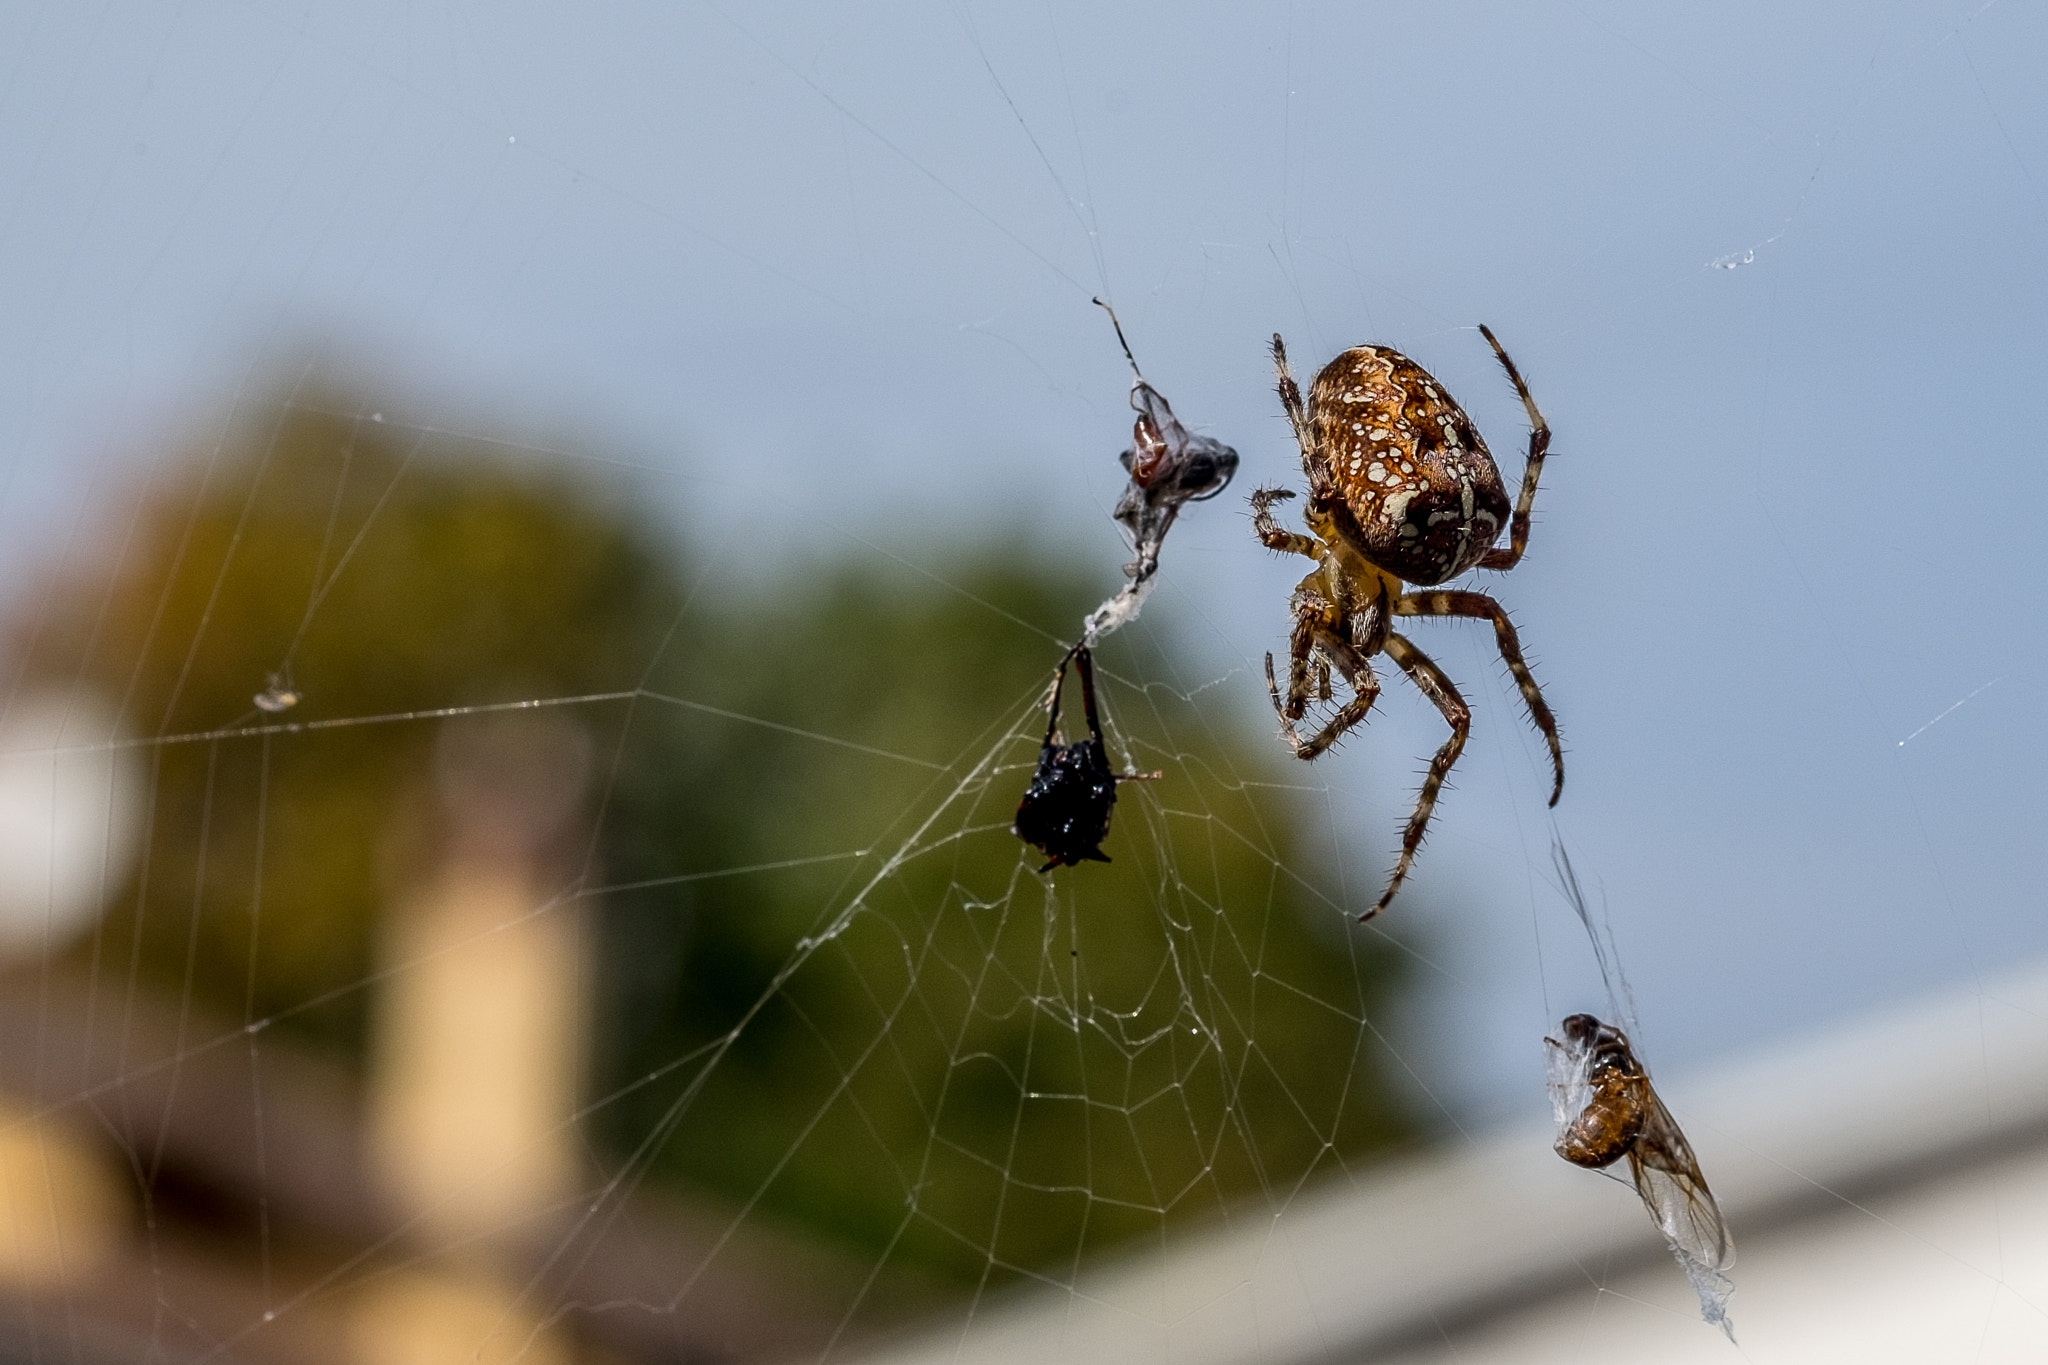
1313,463
1434,685
1290,399
1271,534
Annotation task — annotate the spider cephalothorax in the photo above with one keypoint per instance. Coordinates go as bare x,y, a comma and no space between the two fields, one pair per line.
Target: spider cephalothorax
1401,489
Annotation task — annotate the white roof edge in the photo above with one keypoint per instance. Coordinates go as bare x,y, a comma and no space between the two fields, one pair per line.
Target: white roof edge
1444,1235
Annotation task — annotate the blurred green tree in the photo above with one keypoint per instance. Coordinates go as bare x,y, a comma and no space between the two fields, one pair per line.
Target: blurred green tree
921,1050
384,570
979,1069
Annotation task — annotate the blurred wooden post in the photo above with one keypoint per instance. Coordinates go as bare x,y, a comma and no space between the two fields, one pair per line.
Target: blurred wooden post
479,1042
69,816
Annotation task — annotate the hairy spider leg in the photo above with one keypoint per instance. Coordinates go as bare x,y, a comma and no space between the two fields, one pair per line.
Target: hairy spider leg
1313,636
1434,685
1274,536
1539,446
1297,417
1311,621
1479,606
1319,637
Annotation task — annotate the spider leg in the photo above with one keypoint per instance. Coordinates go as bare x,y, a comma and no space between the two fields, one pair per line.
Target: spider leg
1349,715
1271,534
1309,614
1434,685
1297,415
1310,653
1290,394
1481,607
1539,445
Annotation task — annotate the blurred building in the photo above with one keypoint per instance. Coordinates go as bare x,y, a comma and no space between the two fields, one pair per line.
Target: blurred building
1886,1181
443,1211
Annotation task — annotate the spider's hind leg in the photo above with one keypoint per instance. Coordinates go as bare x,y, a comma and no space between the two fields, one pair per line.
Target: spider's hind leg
1481,607
1290,394
1532,469
1434,685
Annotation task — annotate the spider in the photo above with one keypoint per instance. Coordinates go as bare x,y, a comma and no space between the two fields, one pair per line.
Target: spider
1401,489
1065,810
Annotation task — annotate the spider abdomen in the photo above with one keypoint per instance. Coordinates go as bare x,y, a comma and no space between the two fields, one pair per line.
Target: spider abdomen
1407,465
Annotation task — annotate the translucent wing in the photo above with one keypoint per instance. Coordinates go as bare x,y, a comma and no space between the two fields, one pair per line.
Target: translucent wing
1569,1071
1668,1178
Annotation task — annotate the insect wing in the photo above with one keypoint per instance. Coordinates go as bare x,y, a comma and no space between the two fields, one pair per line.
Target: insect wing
1569,1069
1668,1178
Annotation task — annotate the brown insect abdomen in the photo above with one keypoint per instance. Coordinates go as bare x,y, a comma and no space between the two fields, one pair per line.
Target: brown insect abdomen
1407,463
1610,1123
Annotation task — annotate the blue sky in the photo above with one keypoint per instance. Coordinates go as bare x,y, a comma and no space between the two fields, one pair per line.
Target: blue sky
825,272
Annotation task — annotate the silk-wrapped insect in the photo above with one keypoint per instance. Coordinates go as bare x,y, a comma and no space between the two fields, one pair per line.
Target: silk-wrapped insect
1606,1110
1065,811
1169,467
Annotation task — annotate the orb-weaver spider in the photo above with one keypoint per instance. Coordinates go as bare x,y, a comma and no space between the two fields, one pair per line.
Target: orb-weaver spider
1401,489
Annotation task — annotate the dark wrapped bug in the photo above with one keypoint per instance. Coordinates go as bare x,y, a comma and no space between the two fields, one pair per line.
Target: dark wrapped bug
1065,811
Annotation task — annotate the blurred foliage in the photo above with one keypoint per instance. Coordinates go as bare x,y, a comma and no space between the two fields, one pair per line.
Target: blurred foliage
982,1069
384,572
892,1031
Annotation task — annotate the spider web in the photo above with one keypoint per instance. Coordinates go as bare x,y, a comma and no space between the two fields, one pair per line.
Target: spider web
946,1070
838,1060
